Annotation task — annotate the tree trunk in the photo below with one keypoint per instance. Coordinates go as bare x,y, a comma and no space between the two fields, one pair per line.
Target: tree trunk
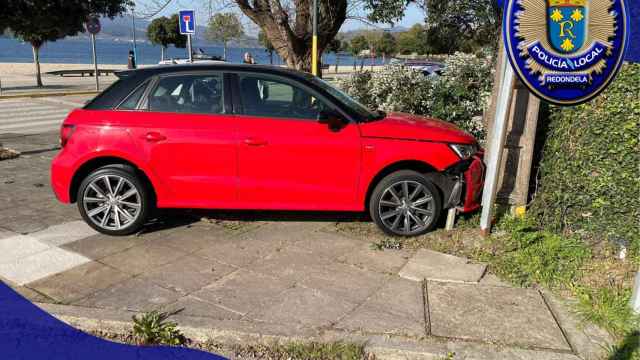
271,57
362,64
162,53
337,61
36,61
291,36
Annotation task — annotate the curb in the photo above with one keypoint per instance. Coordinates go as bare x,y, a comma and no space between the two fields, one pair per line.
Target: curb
230,333
47,94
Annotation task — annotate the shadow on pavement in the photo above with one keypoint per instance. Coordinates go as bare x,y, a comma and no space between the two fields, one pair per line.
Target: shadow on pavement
170,218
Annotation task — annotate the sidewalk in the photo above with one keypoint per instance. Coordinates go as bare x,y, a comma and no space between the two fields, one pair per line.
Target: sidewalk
19,79
252,277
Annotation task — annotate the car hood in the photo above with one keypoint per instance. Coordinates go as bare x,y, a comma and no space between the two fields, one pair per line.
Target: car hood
412,127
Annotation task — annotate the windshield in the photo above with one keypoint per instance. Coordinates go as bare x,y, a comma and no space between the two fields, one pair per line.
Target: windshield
347,100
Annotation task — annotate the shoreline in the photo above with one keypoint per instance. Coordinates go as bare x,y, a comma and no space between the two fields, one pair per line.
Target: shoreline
22,69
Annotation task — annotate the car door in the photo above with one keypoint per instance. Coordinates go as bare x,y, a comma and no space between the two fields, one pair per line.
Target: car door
190,140
287,158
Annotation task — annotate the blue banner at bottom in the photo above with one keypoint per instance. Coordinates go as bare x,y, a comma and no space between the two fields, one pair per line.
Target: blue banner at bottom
29,333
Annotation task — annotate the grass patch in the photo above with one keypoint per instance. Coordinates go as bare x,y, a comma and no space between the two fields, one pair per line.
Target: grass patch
608,307
292,351
152,328
527,256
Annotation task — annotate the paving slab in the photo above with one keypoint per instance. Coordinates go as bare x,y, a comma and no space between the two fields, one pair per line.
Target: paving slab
64,233
327,244
382,261
433,265
493,280
78,282
5,234
193,306
37,266
587,340
502,315
100,246
15,247
133,294
302,307
240,252
188,273
313,271
192,237
243,291
284,231
142,258
397,308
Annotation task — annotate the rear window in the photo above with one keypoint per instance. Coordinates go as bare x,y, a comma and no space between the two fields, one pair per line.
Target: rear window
113,95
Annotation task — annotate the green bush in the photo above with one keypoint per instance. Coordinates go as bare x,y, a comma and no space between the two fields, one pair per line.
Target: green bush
589,172
459,96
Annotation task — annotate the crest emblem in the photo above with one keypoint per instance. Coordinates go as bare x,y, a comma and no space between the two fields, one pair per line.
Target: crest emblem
566,24
566,51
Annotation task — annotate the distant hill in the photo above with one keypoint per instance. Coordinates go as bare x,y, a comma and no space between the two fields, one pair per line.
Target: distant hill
348,35
119,29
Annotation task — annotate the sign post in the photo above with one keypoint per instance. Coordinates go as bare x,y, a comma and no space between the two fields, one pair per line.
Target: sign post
496,143
188,27
93,27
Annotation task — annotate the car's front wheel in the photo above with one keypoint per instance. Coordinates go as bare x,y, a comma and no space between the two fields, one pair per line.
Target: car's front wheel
113,200
405,203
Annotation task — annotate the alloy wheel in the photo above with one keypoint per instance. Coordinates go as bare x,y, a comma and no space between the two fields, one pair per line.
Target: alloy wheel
112,202
406,207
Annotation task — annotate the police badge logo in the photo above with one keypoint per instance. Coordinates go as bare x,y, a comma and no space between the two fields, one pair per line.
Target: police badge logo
566,51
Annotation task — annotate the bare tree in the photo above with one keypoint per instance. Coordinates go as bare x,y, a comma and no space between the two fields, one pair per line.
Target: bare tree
288,26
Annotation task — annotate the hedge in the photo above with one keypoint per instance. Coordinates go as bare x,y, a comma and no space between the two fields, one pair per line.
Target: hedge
590,167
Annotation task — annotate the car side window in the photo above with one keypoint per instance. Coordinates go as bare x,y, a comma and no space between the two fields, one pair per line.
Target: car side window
131,102
272,97
196,94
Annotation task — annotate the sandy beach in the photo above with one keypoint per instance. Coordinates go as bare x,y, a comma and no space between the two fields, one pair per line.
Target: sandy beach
20,77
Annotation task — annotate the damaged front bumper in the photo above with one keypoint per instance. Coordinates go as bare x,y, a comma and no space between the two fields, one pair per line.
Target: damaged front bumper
464,180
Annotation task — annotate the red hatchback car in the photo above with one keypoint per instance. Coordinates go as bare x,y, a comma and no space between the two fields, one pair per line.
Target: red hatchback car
228,136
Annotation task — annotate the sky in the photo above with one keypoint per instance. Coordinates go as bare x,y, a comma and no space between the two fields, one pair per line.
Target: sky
413,14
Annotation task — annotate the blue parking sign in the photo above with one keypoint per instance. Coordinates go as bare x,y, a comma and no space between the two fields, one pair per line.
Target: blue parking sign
187,22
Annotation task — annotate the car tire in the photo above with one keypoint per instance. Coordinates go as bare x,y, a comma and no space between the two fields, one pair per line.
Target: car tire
114,201
405,203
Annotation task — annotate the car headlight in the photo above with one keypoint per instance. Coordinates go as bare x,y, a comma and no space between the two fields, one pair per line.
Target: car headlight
464,151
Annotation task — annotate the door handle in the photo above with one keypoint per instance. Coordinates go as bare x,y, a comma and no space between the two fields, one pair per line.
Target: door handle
154,137
255,142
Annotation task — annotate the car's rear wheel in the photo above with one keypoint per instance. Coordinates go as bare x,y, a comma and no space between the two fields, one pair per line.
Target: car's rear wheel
405,203
113,200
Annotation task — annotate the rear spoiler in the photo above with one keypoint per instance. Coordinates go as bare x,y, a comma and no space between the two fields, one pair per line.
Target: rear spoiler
124,73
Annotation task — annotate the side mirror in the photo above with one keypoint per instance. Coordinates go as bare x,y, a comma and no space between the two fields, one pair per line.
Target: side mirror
332,119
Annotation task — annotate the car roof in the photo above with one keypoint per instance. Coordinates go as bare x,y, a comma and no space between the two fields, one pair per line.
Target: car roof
149,71
131,79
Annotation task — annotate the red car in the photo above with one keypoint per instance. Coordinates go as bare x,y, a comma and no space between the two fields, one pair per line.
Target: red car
226,136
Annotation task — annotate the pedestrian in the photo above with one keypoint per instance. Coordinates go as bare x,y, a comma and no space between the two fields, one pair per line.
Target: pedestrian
248,59
131,62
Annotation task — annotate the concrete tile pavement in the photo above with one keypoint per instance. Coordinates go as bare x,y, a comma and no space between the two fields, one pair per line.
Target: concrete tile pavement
262,279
